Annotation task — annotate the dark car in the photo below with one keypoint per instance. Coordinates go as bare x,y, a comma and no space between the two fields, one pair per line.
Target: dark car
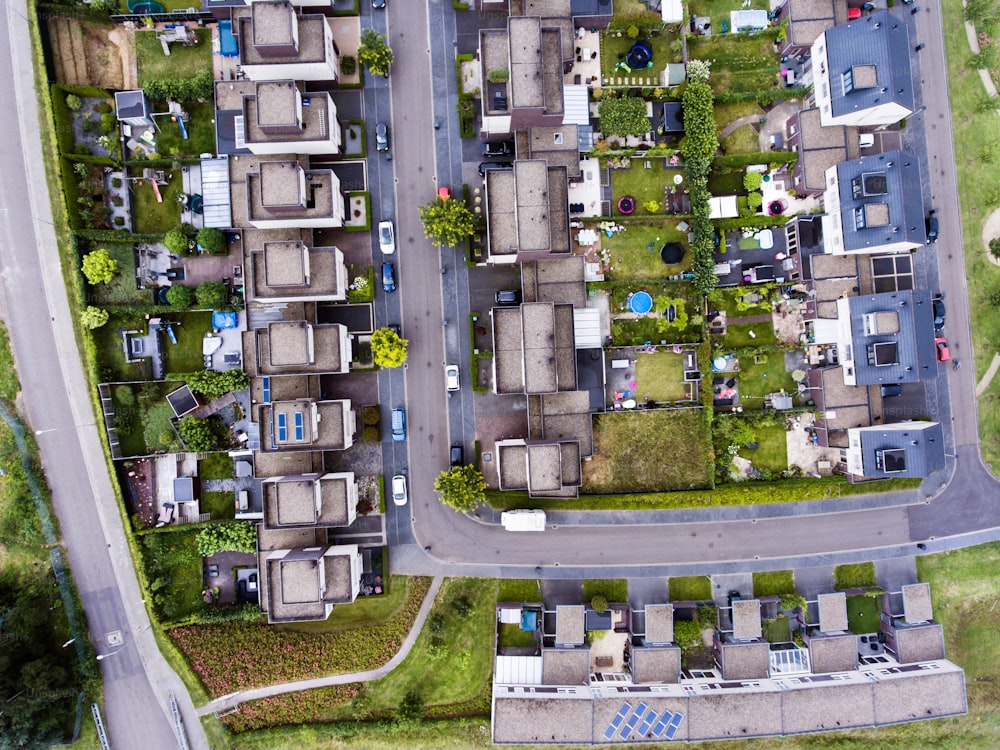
388,277
381,137
499,148
378,4
457,455
508,297
489,166
394,327
932,229
893,389
939,313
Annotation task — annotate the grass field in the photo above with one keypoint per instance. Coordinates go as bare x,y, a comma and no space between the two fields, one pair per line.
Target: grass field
650,450
772,448
854,575
185,355
201,132
778,630
216,466
635,253
690,588
173,568
862,614
758,380
612,589
519,590
219,504
182,63
121,290
612,46
642,184
737,335
773,583
510,635
153,217
740,62
743,140
660,376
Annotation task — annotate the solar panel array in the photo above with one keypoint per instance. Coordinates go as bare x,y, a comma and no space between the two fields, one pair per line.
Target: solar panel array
282,429
643,721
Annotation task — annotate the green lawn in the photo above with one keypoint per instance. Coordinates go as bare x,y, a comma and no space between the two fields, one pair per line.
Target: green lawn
365,612
743,140
725,183
660,376
778,630
642,184
663,52
185,355
121,290
738,334
173,568
642,451
726,113
862,614
201,132
510,635
216,466
740,62
128,420
635,253
690,589
637,331
183,61
772,449
773,583
220,504
758,380
854,575
158,432
519,590
111,355
150,216
614,590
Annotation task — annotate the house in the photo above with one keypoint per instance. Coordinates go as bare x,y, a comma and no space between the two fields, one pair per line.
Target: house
307,424
819,149
275,117
527,212
304,583
284,194
290,270
902,449
133,108
862,73
741,652
874,205
832,647
276,43
310,500
297,346
807,20
534,349
912,635
543,468
557,146
654,658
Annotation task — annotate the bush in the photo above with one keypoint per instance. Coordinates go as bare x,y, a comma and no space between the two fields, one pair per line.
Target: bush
752,180
370,416
599,604
108,123
180,295
119,221
116,182
687,635
73,102
237,536
498,75
995,247
462,606
755,199
370,434
176,241
212,294
348,64
212,240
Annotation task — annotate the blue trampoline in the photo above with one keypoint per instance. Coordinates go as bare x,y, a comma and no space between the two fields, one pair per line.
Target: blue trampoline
529,621
224,320
228,47
640,303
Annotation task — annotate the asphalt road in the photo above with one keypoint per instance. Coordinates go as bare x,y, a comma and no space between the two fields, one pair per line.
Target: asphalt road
137,681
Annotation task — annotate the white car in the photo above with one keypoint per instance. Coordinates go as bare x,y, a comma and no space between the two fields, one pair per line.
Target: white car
386,238
451,380
399,489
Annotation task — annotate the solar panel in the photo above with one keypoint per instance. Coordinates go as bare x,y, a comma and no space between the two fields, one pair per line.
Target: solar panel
647,723
661,725
282,429
633,720
617,721
674,724
298,426
266,384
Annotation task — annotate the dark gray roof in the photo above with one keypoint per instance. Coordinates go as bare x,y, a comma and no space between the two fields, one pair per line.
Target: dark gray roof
900,345
183,489
671,116
878,40
131,104
874,184
916,452
225,132
590,8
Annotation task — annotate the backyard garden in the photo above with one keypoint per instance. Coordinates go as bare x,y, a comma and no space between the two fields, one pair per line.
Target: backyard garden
173,569
634,252
740,62
143,418
121,289
671,313
646,186
150,214
660,377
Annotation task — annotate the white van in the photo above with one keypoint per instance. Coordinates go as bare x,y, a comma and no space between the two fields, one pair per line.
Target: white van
523,519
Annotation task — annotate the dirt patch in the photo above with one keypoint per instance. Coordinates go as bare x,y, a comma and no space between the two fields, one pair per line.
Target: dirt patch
86,54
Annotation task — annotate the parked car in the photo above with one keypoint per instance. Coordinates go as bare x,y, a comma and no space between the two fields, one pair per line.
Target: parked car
499,148
378,4
398,425
939,313
399,490
457,455
509,297
451,378
932,229
943,352
388,277
394,327
891,390
381,137
386,238
489,166
733,596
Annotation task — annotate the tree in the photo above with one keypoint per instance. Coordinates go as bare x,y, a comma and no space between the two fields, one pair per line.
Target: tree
238,536
99,267
93,317
213,385
985,59
599,604
180,295
374,53
197,434
73,102
983,14
212,240
752,180
212,294
176,241
388,349
623,117
995,247
461,487
447,222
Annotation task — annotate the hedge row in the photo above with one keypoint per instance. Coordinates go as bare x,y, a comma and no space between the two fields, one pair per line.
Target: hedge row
763,157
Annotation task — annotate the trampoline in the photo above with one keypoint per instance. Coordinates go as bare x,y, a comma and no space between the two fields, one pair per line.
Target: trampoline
672,253
145,8
640,56
776,208
640,303
529,620
626,204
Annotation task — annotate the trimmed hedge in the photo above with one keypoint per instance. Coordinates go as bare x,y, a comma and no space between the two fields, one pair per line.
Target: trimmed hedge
762,157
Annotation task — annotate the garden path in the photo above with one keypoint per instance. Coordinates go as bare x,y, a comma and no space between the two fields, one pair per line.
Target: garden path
739,123
988,375
229,701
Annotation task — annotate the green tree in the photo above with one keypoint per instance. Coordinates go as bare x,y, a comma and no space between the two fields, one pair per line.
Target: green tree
388,349
212,294
99,267
197,434
995,247
73,102
447,222
599,604
623,117
687,635
180,295
176,241
755,199
213,240
983,14
375,53
412,705
94,317
985,59
213,385
461,487
752,180
237,536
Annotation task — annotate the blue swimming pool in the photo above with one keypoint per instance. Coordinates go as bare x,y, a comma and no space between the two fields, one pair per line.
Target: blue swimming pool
640,303
228,46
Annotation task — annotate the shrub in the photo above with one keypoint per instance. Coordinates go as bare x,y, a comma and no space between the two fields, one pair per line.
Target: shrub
108,123
116,182
212,294
652,206
370,416
687,635
370,434
238,536
180,295
753,180
348,64
119,221
995,247
212,240
93,317
498,75
99,267
599,604
176,241
755,199
462,606
412,706
632,32
73,102
197,434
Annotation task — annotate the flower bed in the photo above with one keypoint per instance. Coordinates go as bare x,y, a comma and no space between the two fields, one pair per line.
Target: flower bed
305,707
239,655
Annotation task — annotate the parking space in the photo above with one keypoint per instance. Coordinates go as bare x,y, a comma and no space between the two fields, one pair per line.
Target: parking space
892,273
910,404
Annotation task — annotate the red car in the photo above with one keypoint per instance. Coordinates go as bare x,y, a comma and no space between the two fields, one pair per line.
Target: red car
943,352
